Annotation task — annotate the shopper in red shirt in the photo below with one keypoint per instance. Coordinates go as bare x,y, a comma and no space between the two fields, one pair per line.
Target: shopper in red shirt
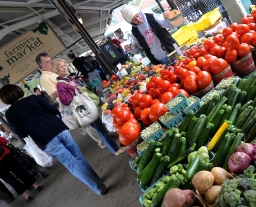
8,164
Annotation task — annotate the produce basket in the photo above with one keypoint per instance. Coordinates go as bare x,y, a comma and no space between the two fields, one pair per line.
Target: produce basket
141,147
172,121
207,97
154,131
177,104
226,82
185,33
131,163
193,104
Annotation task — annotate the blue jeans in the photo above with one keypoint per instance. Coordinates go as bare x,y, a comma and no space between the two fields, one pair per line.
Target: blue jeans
99,127
164,60
65,149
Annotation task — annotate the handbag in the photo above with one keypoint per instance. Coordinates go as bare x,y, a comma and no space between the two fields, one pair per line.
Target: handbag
80,112
42,158
91,95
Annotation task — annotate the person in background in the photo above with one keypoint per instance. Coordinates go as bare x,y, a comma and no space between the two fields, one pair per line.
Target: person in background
117,44
66,95
48,80
9,165
149,34
42,122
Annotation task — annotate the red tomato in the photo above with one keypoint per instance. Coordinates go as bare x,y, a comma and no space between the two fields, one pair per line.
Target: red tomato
232,42
254,13
164,72
157,110
222,52
203,79
214,50
176,85
150,84
166,97
137,112
115,110
208,44
200,62
129,133
173,79
252,26
254,40
155,101
207,65
165,77
195,69
227,31
196,55
247,38
242,29
245,20
145,116
145,101
133,120
185,93
233,26
208,56
218,65
190,84
192,51
174,90
244,49
122,116
155,93
155,79
231,55
163,85
218,38
136,99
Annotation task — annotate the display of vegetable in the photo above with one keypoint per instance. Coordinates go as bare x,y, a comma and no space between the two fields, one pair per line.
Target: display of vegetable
202,181
147,132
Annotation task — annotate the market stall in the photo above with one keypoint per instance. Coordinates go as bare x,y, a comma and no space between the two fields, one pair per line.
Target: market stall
190,126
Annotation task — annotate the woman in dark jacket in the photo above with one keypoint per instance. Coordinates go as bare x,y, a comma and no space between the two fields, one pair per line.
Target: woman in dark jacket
9,165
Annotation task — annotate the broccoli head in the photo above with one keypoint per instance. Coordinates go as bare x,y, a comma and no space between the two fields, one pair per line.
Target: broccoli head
249,172
247,183
250,196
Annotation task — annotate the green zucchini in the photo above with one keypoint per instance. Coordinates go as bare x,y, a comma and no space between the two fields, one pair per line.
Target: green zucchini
174,149
138,159
251,91
241,119
182,156
242,97
241,83
205,135
167,141
230,94
243,107
192,168
251,134
237,140
202,109
248,83
227,113
205,166
149,170
191,126
216,109
248,124
236,81
254,102
158,199
184,124
223,150
213,102
160,169
217,120
147,155
196,131
233,100
183,145
234,114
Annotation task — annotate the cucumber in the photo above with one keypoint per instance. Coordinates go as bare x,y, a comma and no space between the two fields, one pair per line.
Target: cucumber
202,109
182,156
167,141
251,91
183,145
217,121
196,131
237,140
205,135
147,155
148,171
241,83
234,114
242,97
158,199
192,168
160,169
231,93
241,119
174,149
216,109
249,82
184,124
222,152
251,134
234,98
227,113
213,102
191,126
243,107
248,124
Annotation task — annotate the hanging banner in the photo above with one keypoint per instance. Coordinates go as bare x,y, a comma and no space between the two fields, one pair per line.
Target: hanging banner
17,59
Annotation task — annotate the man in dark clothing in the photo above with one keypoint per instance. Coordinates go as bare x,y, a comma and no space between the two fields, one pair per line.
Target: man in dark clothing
150,34
44,95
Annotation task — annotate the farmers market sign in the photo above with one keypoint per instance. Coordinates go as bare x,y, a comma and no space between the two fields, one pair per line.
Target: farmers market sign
18,57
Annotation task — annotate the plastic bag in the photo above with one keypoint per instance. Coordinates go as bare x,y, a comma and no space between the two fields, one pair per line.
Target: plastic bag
42,158
108,121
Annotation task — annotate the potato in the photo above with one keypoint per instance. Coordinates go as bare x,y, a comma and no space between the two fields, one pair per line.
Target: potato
220,175
174,198
212,194
202,181
190,197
